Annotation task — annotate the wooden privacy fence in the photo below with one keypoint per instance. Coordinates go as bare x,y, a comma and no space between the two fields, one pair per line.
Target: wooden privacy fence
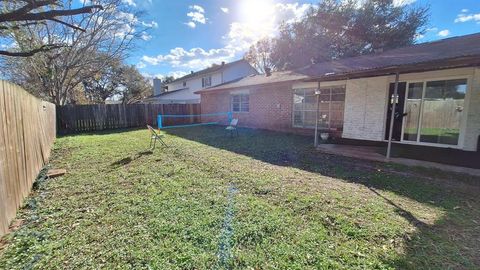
81,118
27,132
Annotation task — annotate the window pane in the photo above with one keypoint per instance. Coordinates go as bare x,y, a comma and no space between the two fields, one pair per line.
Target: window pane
443,111
244,98
245,107
323,119
235,107
325,91
297,119
310,103
298,98
235,98
324,98
309,119
412,109
309,92
338,97
305,107
340,90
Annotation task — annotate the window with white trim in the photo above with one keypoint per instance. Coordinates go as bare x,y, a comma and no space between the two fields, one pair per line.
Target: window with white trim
207,81
240,102
331,107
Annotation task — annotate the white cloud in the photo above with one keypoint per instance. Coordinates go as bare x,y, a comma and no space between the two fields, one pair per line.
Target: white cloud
129,25
175,74
399,3
145,36
465,10
197,8
140,65
153,24
444,33
243,34
194,59
129,2
419,36
225,10
196,15
463,17
396,3
191,24
127,17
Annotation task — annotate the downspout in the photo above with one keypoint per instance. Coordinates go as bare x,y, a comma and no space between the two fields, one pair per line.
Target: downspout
317,93
392,115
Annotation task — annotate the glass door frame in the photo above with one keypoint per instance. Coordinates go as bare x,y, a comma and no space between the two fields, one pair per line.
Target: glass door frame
420,117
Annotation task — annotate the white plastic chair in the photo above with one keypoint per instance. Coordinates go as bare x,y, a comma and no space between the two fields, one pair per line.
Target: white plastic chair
232,128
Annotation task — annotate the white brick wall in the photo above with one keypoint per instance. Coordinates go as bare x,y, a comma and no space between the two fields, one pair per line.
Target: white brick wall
472,130
365,105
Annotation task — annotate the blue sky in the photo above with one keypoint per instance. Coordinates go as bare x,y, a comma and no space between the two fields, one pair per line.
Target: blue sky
191,35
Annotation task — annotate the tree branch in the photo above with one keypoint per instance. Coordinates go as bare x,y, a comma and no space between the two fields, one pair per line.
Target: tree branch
31,5
47,15
68,24
15,27
43,48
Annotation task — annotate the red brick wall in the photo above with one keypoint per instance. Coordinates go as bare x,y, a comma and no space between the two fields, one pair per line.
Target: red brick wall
270,107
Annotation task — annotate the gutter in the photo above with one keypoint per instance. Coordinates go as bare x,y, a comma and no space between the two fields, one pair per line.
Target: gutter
244,86
465,61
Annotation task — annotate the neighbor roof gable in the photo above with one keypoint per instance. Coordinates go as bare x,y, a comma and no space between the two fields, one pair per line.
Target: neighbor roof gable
212,69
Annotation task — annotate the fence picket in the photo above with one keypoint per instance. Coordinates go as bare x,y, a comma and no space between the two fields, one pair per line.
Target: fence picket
84,118
27,134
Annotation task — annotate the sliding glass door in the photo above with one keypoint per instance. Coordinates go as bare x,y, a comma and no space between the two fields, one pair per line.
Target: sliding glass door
434,111
413,103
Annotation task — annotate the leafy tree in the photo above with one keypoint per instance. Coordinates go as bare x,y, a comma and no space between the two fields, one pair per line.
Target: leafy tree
119,82
168,79
259,55
342,28
135,86
105,83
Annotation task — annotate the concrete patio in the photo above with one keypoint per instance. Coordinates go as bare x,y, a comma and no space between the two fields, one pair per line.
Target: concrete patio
373,153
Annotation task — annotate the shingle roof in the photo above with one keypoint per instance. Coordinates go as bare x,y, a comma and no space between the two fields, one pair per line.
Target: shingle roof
450,48
211,69
436,53
259,79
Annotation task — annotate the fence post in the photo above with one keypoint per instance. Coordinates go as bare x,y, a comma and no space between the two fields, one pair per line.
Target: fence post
159,121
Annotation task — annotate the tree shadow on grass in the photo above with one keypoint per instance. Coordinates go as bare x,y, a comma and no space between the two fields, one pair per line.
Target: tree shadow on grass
129,159
61,134
451,242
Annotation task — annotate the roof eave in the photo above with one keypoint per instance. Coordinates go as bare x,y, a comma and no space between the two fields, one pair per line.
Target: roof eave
203,91
459,62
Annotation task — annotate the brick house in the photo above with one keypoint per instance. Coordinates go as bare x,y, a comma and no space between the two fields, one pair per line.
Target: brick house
437,105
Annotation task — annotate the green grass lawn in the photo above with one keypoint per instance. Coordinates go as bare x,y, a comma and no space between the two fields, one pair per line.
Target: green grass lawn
264,200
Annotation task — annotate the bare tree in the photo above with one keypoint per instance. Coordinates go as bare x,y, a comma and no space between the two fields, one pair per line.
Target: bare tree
19,14
109,34
259,55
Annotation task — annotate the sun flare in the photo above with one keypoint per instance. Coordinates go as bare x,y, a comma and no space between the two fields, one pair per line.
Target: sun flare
256,12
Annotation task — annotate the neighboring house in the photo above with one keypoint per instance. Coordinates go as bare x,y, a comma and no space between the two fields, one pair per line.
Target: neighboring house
183,90
438,103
